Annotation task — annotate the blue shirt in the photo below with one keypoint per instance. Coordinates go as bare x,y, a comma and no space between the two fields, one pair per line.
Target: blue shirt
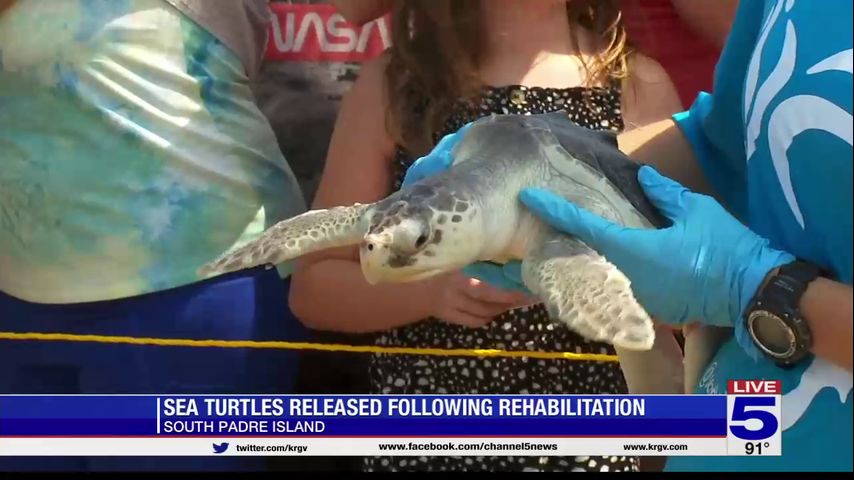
775,141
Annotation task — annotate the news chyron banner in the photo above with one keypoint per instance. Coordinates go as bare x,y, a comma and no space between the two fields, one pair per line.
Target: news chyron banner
746,421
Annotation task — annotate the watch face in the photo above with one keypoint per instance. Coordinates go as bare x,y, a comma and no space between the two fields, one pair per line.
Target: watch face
772,334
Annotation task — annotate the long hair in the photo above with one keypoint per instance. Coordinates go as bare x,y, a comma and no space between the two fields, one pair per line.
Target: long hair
436,52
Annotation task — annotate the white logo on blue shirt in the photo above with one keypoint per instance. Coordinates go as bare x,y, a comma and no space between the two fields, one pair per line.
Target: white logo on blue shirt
797,114
790,118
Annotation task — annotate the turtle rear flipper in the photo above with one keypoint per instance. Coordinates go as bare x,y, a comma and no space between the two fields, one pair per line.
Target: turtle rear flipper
593,298
587,293
310,232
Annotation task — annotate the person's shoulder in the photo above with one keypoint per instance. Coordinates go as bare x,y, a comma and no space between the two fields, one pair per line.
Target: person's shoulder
649,94
646,72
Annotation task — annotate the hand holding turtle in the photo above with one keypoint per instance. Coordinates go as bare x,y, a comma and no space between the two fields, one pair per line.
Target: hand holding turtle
706,266
438,160
469,302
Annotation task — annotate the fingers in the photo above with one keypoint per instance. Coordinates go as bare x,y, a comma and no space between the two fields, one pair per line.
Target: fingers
513,271
473,303
496,276
439,159
457,317
462,132
507,279
486,272
478,308
566,217
666,194
449,141
472,313
425,167
528,301
483,292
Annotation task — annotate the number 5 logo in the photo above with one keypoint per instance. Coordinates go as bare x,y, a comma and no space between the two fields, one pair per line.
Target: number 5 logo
751,408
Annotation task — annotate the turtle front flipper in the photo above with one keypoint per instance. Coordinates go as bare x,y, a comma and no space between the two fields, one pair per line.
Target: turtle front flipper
587,293
297,236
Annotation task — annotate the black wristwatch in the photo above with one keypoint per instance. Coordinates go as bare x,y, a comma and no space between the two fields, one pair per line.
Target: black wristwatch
774,320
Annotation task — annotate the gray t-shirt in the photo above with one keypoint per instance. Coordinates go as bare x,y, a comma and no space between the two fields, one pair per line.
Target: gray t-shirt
312,60
242,25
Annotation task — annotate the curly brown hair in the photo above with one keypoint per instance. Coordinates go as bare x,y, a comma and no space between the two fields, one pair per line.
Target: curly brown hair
436,53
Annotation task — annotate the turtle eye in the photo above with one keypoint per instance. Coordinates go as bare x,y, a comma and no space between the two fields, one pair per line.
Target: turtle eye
421,240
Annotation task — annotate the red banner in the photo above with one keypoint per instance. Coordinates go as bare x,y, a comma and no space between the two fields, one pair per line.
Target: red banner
318,33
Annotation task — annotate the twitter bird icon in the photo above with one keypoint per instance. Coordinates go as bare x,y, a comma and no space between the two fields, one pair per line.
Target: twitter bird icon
222,447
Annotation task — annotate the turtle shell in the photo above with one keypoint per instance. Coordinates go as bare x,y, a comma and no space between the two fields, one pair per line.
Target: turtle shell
600,150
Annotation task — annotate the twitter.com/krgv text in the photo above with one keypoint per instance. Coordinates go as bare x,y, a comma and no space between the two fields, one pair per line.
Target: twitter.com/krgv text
224,447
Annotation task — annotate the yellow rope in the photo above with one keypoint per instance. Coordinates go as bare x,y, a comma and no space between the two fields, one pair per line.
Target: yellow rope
178,342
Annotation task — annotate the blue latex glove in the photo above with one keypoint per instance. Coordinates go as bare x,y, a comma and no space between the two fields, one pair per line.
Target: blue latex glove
507,277
438,160
706,266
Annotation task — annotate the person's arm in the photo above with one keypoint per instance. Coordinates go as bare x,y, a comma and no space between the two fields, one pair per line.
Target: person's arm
663,145
711,21
650,96
329,290
827,307
651,137
360,12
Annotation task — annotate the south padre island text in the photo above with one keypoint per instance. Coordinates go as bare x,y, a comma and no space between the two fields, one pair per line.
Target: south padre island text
225,427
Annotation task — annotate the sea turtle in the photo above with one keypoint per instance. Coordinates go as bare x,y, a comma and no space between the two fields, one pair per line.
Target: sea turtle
471,213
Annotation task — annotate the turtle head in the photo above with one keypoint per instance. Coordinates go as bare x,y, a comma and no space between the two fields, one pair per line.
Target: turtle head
422,232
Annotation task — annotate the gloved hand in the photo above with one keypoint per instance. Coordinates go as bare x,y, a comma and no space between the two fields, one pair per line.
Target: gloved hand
507,277
438,160
706,266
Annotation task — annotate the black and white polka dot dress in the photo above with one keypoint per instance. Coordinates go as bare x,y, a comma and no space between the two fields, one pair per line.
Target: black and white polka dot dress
521,329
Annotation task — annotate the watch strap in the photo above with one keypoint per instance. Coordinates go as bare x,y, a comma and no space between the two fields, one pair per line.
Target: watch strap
789,284
801,272
781,296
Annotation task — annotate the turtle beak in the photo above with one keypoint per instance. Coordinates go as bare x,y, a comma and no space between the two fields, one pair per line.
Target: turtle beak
383,262
374,253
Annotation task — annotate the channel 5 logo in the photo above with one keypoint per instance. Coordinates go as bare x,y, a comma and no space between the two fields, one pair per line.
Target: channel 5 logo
755,411
753,417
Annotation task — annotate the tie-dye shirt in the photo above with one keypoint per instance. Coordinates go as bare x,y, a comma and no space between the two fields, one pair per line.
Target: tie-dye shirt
131,151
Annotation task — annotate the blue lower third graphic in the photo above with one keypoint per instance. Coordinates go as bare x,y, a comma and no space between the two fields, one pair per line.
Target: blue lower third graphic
362,416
